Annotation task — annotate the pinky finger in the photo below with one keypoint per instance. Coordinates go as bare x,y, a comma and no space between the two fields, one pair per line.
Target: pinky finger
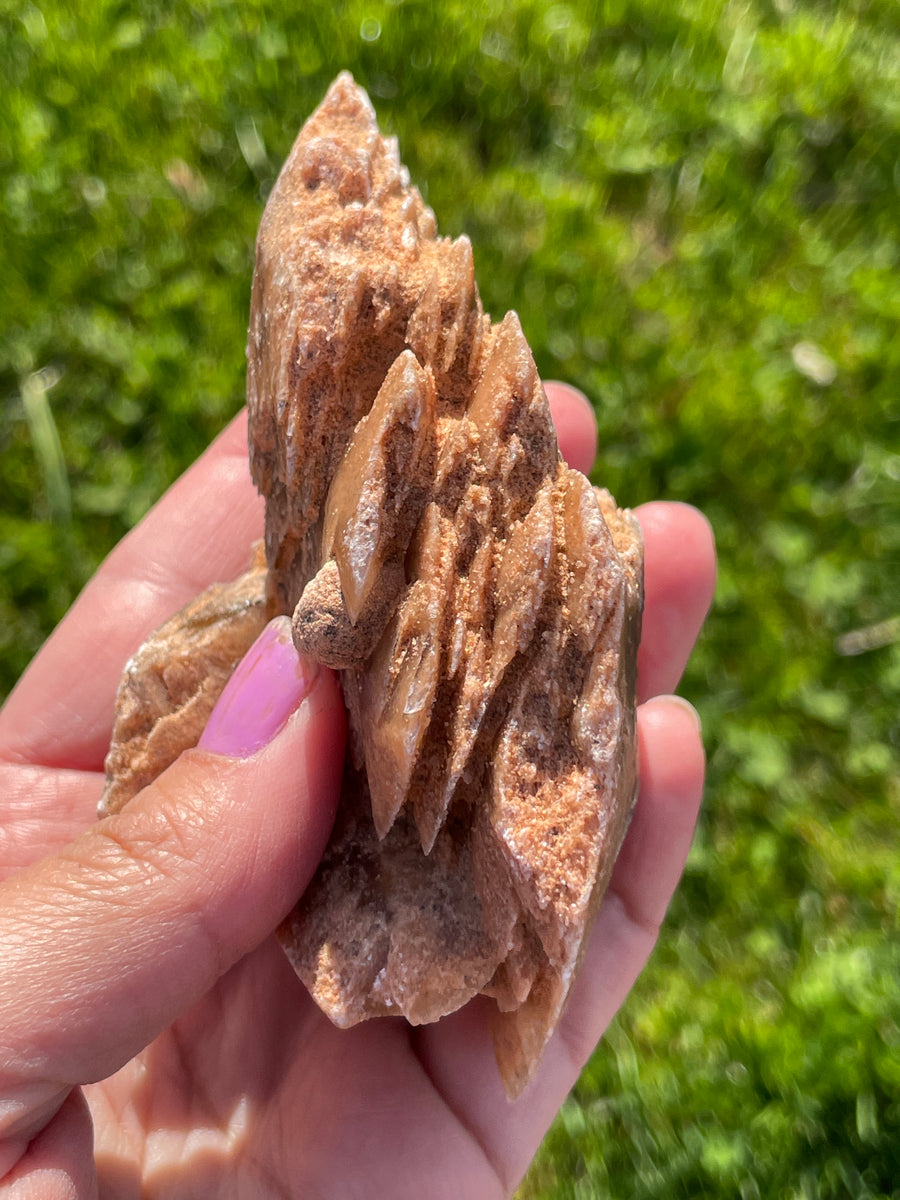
59,1161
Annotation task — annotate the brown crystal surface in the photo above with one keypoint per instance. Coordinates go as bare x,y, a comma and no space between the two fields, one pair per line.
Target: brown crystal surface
169,687
349,274
431,544
481,600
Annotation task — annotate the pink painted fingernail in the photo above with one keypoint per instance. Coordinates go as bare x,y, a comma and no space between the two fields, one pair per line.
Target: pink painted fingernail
268,685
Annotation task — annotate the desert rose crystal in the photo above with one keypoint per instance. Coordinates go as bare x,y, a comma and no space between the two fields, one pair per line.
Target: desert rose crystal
481,600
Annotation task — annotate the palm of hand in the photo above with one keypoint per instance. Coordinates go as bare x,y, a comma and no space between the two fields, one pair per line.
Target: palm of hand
254,1093
251,1091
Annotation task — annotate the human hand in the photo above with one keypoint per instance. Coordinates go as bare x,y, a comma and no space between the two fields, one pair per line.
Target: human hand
137,952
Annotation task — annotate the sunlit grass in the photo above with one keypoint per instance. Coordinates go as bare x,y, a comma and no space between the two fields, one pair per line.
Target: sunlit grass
694,209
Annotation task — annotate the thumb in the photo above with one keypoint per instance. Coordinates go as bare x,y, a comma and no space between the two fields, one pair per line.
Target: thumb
104,944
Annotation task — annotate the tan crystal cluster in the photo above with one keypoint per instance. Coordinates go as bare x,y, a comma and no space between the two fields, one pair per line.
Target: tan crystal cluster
481,600
170,686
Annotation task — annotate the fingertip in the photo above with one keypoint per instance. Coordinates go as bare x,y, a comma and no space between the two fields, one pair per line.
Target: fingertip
672,756
576,425
673,524
679,583
672,766
665,511
666,712
267,686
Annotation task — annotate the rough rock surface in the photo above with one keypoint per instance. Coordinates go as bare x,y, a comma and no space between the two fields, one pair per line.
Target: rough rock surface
466,584
170,686
481,600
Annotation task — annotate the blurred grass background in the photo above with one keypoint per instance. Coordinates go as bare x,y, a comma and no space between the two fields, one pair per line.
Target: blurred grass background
694,207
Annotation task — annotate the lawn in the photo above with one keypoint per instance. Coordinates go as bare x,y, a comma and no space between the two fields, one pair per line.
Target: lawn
694,208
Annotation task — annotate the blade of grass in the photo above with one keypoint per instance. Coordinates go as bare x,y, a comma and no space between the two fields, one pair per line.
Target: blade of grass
47,446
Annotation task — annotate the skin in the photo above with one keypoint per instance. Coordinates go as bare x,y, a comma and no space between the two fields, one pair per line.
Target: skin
153,1039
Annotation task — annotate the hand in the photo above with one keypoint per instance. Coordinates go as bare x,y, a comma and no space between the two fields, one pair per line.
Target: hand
153,1038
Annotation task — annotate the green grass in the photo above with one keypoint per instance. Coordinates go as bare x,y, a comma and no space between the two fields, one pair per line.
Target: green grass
694,208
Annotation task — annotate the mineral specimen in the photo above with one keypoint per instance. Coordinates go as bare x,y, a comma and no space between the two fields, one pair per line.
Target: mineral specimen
170,686
481,600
